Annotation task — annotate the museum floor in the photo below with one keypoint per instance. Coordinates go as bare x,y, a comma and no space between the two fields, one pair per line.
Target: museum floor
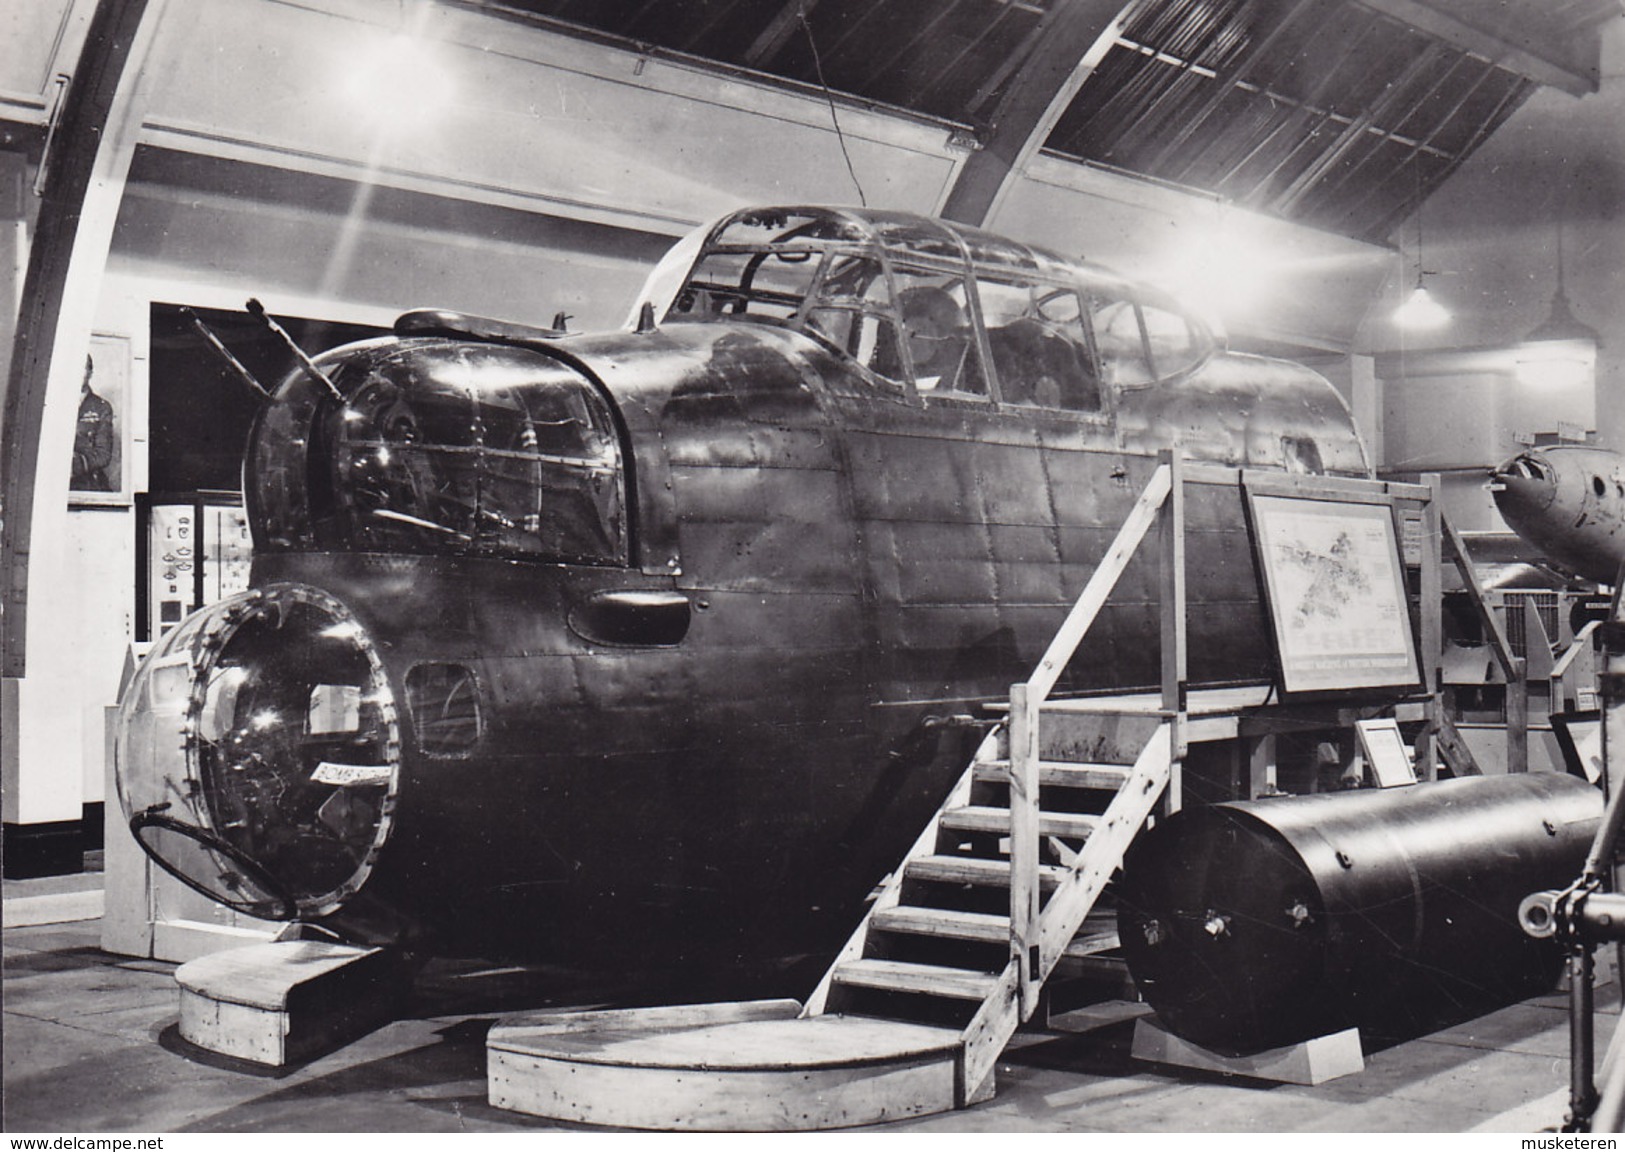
91,1046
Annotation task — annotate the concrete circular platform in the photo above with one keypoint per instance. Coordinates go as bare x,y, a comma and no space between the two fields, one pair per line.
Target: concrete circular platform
747,1067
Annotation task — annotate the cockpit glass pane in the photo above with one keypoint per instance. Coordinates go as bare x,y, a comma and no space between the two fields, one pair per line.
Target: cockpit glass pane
1123,359
779,227
524,471
767,285
935,312
1174,346
910,235
1040,349
442,448
258,750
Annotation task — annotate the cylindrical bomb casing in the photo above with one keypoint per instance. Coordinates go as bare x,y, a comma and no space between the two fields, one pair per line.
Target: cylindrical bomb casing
1254,925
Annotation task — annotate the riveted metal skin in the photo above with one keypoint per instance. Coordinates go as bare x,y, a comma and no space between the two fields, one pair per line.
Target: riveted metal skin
1569,502
730,777
1391,910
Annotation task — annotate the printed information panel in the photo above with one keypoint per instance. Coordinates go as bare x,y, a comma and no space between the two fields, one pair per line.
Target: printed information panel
1336,591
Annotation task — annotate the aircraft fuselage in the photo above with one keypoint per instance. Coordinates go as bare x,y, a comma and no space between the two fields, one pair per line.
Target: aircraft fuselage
662,639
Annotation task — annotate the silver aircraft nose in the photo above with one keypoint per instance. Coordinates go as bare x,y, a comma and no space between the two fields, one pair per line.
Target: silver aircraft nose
1526,483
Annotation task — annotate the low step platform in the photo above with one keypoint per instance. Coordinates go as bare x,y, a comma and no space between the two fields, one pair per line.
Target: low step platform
746,1067
1309,1062
280,1003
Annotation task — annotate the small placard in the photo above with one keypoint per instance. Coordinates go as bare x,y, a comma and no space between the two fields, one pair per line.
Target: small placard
1385,750
1412,528
334,708
350,775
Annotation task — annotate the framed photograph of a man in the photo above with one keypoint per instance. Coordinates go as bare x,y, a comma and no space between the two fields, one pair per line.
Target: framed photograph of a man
101,435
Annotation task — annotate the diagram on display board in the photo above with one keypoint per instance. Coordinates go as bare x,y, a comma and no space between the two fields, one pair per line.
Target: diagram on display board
1336,593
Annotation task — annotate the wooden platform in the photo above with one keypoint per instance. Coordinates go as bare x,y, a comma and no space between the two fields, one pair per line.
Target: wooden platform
746,1067
1216,713
284,1002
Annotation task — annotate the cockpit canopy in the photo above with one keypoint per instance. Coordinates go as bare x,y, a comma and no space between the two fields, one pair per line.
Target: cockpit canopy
440,447
931,307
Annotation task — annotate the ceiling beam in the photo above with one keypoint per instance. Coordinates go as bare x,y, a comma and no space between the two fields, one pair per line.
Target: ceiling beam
1074,36
83,178
1573,65
778,32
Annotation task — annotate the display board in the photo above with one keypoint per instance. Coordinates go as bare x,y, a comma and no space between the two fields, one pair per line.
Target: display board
193,549
1336,591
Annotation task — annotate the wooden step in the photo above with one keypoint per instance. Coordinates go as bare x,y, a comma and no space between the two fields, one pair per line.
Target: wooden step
943,924
975,818
926,979
1096,967
1091,944
1060,774
971,870
283,1002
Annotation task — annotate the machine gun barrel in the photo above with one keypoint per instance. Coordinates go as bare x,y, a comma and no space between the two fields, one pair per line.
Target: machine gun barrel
214,342
258,310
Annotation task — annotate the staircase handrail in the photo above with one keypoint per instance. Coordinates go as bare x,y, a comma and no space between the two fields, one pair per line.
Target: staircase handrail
1027,698
1093,597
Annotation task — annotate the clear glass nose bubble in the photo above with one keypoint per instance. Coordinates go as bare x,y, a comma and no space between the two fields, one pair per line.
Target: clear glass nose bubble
258,752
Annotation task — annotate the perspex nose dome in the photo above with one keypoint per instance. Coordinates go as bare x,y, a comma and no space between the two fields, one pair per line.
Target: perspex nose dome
258,752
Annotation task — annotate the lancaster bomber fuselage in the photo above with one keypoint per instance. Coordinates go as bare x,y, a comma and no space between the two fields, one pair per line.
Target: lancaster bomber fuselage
583,646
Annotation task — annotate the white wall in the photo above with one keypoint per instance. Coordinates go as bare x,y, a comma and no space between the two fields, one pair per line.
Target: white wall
1491,232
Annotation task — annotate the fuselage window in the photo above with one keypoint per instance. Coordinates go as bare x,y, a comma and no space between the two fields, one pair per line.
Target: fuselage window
1301,454
1041,353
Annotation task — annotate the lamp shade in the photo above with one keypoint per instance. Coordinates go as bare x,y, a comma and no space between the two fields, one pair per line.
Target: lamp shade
1421,310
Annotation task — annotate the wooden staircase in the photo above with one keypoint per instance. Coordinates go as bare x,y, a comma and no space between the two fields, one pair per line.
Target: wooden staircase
995,894
940,945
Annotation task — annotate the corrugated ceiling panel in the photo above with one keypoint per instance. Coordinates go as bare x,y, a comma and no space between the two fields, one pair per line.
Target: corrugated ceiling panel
1319,111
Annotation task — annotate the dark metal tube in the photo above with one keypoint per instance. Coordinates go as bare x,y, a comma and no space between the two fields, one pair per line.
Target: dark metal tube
1582,1051
1596,917
1395,910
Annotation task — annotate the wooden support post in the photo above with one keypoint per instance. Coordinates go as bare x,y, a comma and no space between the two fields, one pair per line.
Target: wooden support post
1513,668
1260,766
1174,654
1609,638
1432,613
1518,716
1024,891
